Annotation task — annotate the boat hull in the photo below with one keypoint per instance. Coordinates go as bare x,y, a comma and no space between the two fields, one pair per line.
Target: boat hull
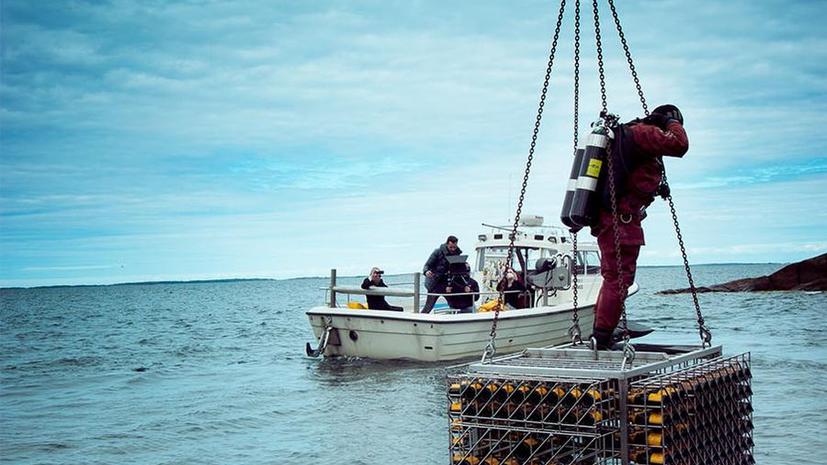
386,335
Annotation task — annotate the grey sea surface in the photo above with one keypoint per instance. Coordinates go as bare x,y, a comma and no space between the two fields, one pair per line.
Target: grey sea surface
215,373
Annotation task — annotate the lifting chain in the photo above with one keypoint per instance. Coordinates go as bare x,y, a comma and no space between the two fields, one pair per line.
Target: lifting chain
601,72
610,122
622,289
706,335
629,58
490,349
575,331
576,72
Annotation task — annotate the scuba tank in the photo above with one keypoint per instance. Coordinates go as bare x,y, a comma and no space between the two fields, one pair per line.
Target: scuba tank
565,214
586,199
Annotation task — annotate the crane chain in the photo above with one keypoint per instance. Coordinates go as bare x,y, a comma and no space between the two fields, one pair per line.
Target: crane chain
576,73
622,290
490,349
600,69
575,331
610,122
629,58
703,330
706,335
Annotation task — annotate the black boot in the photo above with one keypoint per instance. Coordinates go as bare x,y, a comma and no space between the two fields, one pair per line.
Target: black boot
603,338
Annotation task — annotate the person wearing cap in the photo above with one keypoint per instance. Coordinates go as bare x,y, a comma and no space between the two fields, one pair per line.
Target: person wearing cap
436,269
638,172
377,302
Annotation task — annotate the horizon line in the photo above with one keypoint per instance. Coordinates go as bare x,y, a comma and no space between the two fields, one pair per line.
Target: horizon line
219,280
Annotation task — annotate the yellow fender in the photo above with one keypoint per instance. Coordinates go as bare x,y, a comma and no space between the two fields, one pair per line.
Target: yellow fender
357,305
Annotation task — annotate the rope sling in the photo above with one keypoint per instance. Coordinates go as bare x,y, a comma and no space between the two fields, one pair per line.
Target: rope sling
574,330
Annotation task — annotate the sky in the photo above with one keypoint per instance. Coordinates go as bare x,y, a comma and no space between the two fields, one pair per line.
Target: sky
153,140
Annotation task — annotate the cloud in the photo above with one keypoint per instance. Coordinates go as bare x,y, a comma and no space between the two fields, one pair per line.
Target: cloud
136,130
768,173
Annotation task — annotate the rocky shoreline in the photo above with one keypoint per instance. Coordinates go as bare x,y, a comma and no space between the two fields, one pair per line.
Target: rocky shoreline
806,275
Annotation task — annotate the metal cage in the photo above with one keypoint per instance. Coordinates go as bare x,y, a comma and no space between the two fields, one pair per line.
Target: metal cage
677,405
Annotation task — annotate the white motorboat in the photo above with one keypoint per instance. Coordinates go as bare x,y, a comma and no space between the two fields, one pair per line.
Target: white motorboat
542,257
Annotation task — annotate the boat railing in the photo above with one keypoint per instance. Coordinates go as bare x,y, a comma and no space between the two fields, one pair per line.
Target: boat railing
385,291
333,290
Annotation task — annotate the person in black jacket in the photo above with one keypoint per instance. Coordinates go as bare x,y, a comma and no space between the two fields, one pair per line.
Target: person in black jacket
436,269
462,284
377,302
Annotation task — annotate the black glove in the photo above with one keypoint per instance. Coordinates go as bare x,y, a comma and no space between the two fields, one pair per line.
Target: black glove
663,191
670,112
657,119
673,115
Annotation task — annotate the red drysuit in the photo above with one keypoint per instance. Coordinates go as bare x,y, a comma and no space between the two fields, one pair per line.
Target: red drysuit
638,191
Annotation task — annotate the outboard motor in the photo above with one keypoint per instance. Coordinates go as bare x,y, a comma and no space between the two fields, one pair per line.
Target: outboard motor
586,199
551,273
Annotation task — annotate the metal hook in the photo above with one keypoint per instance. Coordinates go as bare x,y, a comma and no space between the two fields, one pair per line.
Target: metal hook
574,333
489,351
593,346
706,336
628,355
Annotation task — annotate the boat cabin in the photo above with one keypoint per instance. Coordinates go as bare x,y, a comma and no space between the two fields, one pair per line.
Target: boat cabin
534,244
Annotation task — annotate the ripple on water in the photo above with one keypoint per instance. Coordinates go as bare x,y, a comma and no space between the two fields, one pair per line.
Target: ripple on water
215,372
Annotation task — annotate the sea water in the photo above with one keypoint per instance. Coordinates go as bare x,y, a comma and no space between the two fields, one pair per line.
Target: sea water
215,373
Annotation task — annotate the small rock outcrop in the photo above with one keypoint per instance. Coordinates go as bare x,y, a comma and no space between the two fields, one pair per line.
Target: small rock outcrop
807,275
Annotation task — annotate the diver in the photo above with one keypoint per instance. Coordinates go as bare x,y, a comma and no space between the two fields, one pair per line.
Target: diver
639,173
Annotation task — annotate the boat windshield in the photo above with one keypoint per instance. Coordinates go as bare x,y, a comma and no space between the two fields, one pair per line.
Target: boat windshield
493,258
490,260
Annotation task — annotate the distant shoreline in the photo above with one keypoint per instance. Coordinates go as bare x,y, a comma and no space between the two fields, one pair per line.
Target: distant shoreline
229,280
147,283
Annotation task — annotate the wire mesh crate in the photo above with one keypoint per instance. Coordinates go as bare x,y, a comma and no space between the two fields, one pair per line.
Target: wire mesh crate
700,414
518,419
575,406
